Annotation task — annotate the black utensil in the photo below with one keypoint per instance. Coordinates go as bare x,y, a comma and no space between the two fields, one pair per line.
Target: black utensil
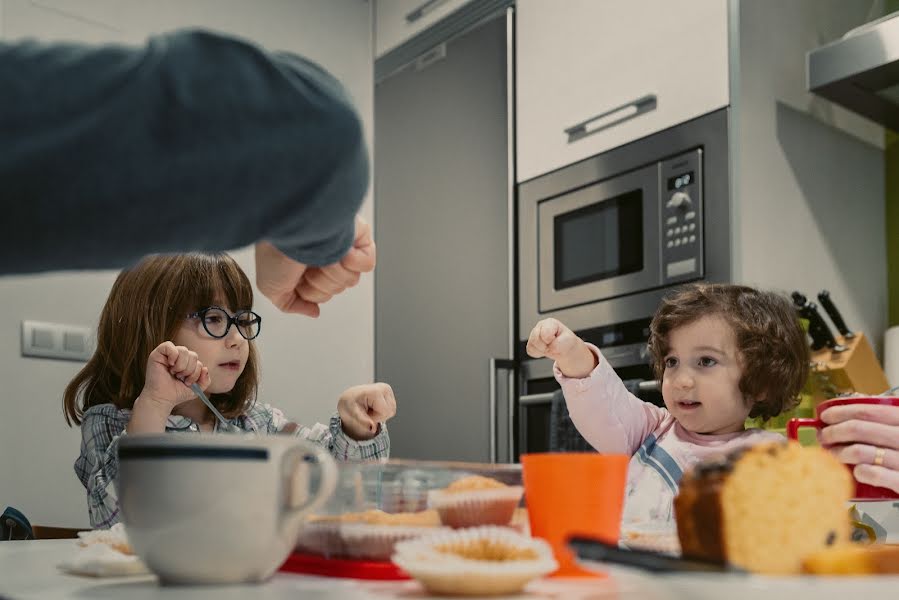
834,314
817,326
654,562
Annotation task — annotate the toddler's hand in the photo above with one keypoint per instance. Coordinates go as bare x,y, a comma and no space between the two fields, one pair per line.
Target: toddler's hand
362,407
171,370
552,339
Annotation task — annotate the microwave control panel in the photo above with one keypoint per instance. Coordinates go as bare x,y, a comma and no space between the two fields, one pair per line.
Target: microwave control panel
681,222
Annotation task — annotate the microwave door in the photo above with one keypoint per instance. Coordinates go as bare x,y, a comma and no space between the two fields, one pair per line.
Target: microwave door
601,241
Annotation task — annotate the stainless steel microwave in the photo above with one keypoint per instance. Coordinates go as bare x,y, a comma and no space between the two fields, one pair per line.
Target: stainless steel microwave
602,240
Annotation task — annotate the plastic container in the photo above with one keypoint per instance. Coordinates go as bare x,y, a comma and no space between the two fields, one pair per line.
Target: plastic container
379,504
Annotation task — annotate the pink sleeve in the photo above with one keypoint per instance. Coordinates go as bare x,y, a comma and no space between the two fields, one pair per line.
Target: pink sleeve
612,419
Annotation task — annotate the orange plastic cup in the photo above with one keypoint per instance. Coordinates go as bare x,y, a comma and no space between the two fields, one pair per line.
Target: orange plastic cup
570,493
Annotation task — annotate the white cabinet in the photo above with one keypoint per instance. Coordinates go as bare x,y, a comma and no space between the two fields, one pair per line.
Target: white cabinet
595,74
398,20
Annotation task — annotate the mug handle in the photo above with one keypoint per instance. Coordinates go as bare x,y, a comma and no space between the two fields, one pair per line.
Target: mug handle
310,452
793,426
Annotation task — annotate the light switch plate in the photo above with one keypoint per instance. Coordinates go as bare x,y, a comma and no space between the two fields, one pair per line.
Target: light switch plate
56,340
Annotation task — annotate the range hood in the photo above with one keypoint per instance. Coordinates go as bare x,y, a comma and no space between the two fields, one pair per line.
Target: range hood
860,71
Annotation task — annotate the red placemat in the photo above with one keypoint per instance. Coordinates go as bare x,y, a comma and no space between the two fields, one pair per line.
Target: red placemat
342,567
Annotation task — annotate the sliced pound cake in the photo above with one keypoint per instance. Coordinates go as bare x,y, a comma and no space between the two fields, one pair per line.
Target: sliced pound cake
764,508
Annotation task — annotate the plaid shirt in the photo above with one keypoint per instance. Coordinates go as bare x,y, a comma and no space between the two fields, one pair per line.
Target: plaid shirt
102,426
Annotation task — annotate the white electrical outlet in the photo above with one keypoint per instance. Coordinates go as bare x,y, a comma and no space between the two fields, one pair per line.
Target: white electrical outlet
56,340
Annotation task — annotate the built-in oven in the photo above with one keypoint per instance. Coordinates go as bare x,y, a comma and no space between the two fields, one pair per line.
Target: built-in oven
601,241
623,345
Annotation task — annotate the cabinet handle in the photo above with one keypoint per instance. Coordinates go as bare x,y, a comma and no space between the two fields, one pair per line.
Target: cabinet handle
422,10
628,111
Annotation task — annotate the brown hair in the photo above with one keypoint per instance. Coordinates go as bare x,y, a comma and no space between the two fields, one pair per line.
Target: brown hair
146,306
773,349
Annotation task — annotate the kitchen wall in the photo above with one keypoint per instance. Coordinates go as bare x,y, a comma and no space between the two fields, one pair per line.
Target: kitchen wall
305,363
808,175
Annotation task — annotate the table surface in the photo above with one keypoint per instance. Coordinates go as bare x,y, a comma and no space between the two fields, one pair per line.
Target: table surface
29,570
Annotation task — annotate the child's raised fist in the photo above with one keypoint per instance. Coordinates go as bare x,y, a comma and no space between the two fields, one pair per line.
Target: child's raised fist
550,338
363,407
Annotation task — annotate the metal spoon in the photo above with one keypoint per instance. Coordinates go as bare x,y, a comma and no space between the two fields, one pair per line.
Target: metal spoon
223,424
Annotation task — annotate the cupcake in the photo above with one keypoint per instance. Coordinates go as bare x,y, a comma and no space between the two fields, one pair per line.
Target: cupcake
374,535
475,500
480,561
321,536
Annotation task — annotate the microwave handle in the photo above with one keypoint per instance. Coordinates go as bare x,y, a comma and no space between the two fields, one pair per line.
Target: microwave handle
628,111
497,364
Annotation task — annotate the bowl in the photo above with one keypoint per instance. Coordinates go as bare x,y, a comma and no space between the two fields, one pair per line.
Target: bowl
204,508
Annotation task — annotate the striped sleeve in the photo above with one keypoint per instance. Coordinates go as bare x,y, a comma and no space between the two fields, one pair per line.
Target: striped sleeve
331,436
97,465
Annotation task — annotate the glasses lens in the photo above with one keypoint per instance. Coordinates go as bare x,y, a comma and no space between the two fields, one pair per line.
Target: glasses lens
248,323
216,322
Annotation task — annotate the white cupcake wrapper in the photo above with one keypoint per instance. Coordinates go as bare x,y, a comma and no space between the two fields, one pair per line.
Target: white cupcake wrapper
440,571
377,542
478,507
322,538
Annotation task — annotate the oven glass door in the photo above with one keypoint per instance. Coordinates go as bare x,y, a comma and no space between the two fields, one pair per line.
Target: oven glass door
600,241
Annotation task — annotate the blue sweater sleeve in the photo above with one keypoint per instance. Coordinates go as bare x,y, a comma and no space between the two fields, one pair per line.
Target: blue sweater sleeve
194,141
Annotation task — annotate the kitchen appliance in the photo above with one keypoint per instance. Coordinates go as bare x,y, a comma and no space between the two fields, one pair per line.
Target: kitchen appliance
600,243
861,70
601,240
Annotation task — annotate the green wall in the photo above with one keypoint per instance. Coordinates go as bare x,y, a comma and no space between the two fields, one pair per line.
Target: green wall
891,156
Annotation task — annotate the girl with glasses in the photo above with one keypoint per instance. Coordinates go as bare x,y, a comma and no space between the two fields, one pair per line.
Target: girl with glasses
197,326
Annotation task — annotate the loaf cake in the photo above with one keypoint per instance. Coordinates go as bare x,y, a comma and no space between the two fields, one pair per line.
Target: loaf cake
764,508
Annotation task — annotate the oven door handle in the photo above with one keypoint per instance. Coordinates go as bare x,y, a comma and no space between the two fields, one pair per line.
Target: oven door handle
649,386
611,117
531,399
497,364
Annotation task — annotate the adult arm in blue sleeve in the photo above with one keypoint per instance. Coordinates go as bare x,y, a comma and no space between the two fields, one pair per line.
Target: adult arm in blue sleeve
194,141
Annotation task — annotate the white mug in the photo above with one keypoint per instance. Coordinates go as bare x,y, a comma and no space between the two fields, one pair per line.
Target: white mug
203,508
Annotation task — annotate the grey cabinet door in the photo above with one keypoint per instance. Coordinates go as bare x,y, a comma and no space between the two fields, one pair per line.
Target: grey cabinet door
442,292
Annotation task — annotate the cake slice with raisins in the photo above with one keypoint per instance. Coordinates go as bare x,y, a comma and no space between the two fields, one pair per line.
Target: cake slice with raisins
764,508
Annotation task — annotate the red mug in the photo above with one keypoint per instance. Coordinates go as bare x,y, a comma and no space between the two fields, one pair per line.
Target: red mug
863,491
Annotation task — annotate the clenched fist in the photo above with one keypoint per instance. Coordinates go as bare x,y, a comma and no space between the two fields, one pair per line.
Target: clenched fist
297,288
362,407
171,370
551,339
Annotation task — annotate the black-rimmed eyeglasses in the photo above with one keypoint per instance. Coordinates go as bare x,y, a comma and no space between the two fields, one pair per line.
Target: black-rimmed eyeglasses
217,322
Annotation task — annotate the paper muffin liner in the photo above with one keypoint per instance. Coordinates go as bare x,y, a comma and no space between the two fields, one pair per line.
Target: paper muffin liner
449,573
321,538
376,542
494,506
114,537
